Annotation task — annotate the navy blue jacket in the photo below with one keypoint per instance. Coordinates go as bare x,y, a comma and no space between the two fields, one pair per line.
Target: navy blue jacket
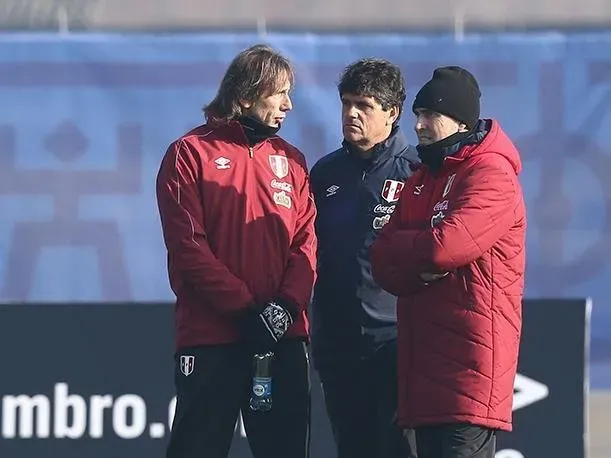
355,197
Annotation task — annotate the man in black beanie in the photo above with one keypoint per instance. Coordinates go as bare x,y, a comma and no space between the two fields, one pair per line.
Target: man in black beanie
454,254
447,110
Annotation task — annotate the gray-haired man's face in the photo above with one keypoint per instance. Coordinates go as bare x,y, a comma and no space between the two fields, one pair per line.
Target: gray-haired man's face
272,109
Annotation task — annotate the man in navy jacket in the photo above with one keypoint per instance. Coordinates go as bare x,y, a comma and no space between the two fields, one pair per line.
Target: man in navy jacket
354,325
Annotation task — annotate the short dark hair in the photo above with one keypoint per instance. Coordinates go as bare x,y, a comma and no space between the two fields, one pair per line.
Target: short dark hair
254,73
377,78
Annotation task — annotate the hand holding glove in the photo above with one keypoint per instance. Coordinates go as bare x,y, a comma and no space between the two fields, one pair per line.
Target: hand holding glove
429,277
269,322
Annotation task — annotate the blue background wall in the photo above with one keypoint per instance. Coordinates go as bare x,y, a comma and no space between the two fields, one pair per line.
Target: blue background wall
85,120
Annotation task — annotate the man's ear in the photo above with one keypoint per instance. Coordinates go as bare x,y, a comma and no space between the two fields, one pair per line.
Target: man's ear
393,113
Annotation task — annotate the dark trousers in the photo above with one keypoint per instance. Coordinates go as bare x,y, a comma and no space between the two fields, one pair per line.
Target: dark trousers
210,398
361,401
460,440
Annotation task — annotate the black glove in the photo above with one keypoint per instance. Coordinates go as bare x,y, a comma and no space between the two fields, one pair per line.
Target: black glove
268,323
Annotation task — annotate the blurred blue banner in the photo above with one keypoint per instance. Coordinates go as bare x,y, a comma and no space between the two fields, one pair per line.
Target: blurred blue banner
85,120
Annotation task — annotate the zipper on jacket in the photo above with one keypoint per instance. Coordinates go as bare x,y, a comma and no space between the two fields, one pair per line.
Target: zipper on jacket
463,277
462,272
250,152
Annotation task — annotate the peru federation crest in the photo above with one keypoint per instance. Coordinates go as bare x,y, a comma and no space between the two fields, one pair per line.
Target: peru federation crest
279,165
391,190
187,364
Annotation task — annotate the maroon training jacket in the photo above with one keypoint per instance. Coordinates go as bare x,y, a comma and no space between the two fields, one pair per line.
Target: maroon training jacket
238,224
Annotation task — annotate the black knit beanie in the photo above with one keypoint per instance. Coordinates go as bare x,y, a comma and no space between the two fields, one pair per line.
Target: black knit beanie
452,91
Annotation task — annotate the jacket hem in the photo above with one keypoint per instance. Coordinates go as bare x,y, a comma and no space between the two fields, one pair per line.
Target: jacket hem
492,423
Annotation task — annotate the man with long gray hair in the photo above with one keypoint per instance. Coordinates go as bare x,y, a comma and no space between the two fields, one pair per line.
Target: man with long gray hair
238,223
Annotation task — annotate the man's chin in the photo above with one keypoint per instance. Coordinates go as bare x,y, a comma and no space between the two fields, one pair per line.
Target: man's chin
351,137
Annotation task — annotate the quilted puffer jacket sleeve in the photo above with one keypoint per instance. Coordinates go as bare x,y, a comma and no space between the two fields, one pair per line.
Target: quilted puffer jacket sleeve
386,266
486,200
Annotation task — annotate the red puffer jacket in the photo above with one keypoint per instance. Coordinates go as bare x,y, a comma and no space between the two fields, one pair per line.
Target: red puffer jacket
458,336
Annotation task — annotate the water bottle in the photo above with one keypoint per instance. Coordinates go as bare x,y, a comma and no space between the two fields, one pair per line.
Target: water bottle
261,392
